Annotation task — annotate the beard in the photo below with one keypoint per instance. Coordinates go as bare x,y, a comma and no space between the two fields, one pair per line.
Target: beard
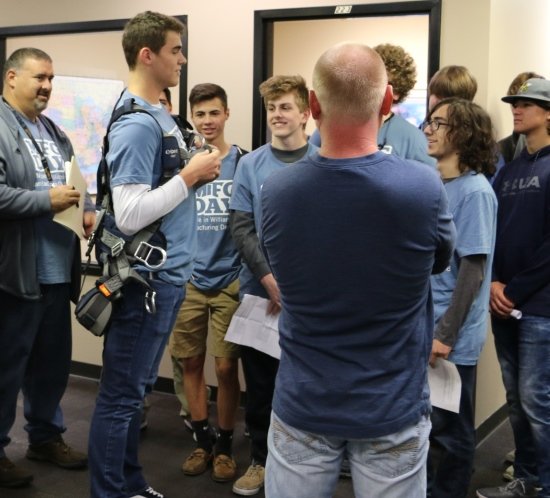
40,105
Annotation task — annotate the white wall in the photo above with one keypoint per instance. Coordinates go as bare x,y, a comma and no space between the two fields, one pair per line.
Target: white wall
520,41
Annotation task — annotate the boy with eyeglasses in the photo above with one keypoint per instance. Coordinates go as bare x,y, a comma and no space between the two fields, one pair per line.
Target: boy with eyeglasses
460,136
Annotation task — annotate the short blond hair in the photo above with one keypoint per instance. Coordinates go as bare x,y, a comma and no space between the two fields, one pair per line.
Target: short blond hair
350,81
279,85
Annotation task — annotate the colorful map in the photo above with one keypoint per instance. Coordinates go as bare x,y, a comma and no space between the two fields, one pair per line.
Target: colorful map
82,107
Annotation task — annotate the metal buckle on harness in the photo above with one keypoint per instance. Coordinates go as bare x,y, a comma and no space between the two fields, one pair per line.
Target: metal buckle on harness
117,248
149,250
150,302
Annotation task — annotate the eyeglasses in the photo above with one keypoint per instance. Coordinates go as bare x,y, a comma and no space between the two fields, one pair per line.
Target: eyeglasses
433,124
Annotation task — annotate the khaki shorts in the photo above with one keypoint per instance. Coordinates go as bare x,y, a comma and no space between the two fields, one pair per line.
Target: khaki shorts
205,314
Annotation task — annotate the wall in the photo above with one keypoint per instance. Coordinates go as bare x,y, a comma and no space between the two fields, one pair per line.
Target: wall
519,41
496,39
314,37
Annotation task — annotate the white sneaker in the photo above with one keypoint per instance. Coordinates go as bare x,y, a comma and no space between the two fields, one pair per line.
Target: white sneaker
508,474
149,493
510,456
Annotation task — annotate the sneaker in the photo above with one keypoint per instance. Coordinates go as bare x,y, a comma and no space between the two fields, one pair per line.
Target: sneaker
518,488
508,474
12,476
252,481
149,493
224,468
510,456
59,453
196,463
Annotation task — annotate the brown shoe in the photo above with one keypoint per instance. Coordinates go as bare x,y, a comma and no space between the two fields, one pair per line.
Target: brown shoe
196,463
59,453
12,476
224,468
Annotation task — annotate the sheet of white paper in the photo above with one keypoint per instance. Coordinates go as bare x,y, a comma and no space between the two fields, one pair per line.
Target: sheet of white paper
445,385
252,326
72,217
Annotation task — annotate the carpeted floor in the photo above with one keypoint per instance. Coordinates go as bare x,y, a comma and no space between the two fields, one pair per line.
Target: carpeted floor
166,442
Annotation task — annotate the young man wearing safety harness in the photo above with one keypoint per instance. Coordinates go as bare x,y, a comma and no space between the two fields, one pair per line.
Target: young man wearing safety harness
142,319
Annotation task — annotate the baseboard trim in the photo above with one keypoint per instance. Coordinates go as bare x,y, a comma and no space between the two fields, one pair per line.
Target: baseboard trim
489,425
163,384
166,385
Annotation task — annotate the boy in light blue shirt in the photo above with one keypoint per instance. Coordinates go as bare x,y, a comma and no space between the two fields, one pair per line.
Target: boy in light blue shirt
460,137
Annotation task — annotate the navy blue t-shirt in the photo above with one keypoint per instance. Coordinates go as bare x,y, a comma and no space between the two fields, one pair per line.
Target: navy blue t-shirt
352,244
522,250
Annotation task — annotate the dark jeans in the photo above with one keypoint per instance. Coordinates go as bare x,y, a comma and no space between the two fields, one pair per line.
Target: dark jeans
133,348
35,356
523,350
259,371
453,443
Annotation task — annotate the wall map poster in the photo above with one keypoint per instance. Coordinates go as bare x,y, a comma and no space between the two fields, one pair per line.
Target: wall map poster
82,107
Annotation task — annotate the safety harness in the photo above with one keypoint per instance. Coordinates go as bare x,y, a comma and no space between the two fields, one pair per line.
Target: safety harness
116,252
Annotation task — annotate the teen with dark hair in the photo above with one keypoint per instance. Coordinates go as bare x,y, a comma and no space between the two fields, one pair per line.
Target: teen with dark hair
512,145
212,296
521,281
461,138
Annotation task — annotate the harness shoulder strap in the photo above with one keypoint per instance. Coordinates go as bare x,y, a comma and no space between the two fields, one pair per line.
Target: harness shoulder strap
240,153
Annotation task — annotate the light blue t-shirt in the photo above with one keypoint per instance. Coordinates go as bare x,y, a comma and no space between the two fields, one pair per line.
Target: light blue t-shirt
55,243
473,205
135,147
218,262
253,170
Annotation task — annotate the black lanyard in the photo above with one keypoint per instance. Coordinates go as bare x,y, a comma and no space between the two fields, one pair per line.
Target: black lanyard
29,134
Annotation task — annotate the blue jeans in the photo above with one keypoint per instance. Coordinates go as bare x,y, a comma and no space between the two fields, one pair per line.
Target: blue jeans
523,350
453,443
302,464
134,345
35,356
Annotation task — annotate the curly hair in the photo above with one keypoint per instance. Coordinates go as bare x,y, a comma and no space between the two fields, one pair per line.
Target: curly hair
277,86
471,131
400,67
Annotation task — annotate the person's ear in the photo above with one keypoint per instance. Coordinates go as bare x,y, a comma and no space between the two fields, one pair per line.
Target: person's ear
314,105
387,102
145,56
